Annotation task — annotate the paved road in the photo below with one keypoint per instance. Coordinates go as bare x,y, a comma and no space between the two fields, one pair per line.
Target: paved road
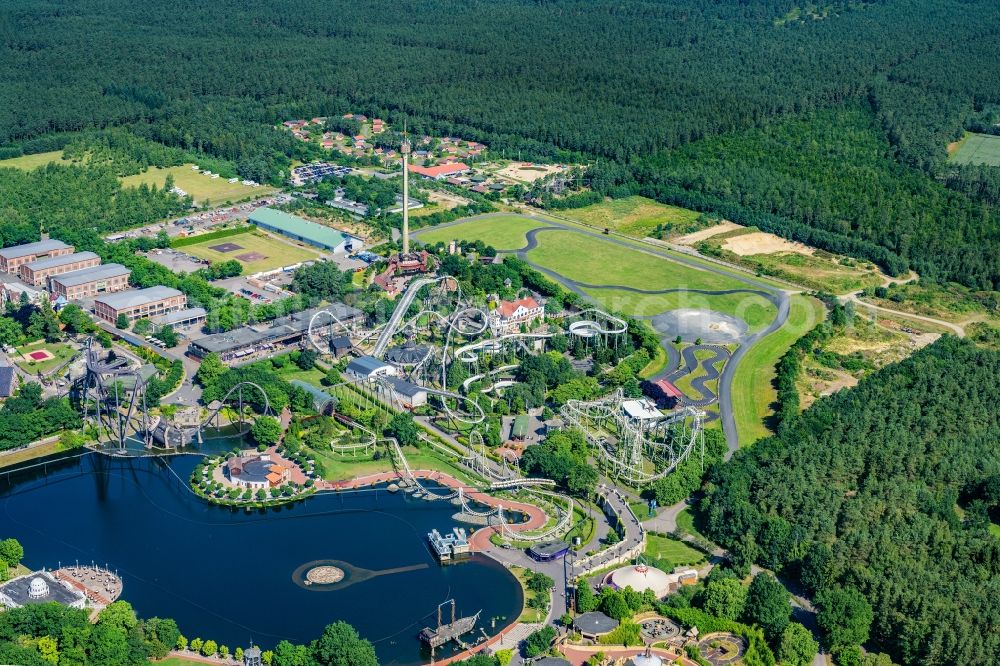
778,297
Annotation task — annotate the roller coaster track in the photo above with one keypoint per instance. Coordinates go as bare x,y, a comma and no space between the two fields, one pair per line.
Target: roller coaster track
400,311
636,442
213,415
521,483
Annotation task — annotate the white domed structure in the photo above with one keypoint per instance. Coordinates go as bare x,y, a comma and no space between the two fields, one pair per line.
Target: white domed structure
641,577
38,589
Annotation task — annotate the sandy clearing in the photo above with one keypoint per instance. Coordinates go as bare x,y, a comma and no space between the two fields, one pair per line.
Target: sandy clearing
760,242
446,200
696,237
527,172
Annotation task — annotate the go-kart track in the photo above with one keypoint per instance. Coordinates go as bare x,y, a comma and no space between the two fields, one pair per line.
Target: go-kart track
714,328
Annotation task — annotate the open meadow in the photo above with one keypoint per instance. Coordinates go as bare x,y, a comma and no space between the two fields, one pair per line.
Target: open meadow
975,148
257,251
595,261
29,162
753,384
755,310
204,189
634,216
504,232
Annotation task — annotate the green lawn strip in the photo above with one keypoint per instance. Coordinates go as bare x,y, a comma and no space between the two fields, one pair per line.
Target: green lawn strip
641,509
276,252
503,232
656,365
528,614
686,524
10,458
754,309
667,553
312,376
594,261
995,530
61,353
753,389
212,235
29,162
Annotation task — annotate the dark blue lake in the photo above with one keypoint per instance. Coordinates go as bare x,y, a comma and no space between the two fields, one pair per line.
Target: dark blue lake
228,575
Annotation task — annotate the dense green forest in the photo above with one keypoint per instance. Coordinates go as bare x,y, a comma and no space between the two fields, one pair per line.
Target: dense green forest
885,490
591,80
833,172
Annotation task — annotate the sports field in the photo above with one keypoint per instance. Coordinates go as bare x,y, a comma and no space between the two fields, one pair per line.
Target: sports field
753,383
204,189
755,310
592,260
977,149
257,251
29,162
42,357
504,232
633,216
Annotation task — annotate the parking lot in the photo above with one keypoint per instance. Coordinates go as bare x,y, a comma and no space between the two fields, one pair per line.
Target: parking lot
177,260
254,293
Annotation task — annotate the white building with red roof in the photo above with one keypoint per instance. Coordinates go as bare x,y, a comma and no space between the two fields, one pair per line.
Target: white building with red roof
441,171
509,316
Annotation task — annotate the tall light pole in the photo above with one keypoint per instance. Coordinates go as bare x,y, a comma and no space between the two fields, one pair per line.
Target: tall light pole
405,150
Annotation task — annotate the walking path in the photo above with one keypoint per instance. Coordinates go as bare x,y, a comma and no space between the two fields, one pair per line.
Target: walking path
480,539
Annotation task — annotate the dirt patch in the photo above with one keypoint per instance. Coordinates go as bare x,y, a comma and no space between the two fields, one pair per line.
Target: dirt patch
247,257
527,172
954,146
721,228
759,242
446,200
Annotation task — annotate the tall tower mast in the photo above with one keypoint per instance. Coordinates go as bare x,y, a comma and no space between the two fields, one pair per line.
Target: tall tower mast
405,150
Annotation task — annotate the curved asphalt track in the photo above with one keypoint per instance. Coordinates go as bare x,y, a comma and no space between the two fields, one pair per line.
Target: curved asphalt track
779,298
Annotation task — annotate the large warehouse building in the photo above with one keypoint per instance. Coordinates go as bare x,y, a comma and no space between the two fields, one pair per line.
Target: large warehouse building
139,303
12,258
36,273
90,282
304,231
240,343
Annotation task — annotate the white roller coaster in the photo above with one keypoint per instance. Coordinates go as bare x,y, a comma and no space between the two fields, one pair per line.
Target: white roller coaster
636,451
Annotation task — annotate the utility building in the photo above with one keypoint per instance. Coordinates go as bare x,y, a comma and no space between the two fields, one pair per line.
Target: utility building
305,231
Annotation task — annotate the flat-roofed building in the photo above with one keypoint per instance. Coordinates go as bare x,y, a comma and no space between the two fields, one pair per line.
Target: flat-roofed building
37,272
139,303
90,282
311,233
12,258
243,342
185,318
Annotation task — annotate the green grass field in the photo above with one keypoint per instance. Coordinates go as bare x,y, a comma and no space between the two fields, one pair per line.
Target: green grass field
276,251
29,162
670,553
686,524
62,352
755,310
203,188
504,232
978,149
633,216
753,389
596,261
177,661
